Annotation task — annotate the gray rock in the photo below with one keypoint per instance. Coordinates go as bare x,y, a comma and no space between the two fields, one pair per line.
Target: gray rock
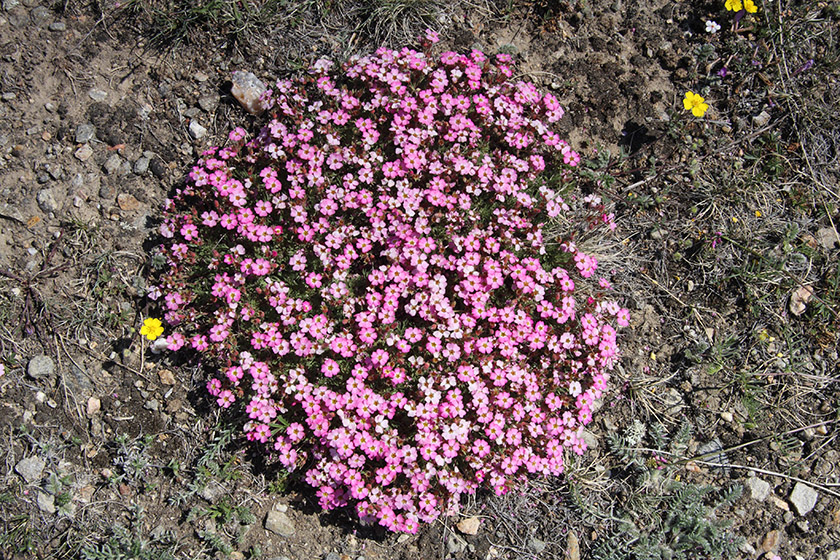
141,165
197,131
761,119
213,491
332,556
46,502
827,237
152,405
40,15
535,545
279,523
834,555
30,468
454,544
209,102
158,168
10,5
58,26
280,558
112,164
759,489
98,95
41,367
247,89
83,153
46,201
85,133
803,498
8,96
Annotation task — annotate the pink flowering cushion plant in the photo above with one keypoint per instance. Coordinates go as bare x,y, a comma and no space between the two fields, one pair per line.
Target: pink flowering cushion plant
371,279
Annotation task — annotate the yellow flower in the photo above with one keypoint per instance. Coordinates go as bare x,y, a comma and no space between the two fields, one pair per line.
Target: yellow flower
735,5
695,103
750,6
151,328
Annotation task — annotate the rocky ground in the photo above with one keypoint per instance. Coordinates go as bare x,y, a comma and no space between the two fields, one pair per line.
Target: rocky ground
726,253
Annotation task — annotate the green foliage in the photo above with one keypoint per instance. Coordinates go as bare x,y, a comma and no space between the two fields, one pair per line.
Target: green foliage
664,518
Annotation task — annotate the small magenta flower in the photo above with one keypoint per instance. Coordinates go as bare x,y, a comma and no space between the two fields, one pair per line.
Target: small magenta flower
695,103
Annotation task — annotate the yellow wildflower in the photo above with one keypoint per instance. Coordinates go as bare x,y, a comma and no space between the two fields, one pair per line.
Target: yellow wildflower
750,6
151,328
734,5
695,103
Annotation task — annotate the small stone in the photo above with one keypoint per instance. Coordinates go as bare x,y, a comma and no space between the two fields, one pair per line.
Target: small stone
8,96
247,89
469,526
41,367
94,405
40,15
158,168
535,545
83,153
166,377
152,405
209,102
10,5
572,547
127,202
800,298
141,165
98,95
779,503
46,201
828,238
834,555
58,26
107,191
197,131
761,119
46,502
771,541
212,491
454,544
727,416
85,133
279,523
112,164
803,498
759,489
30,468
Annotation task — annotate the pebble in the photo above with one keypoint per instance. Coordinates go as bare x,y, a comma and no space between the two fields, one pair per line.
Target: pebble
803,498
209,103
828,238
212,491
152,405
30,468
761,119
10,5
279,523
454,545
834,555
40,15
127,202
332,556
94,405
58,26
158,168
83,153
247,89
197,131
535,545
98,95
112,164
141,165
166,377
469,526
572,547
40,367
8,96
759,489
46,201
771,541
85,133
46,502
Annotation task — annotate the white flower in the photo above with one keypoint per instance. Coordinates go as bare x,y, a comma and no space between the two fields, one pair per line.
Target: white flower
712,26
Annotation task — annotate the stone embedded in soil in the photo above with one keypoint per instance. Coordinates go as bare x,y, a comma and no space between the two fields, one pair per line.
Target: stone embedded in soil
536,545
127,202
41,367
30,468
85,133
828,238
112,164
58,26
46,201
94,405
197,131
799,299
209,102
803,498
759,489
141,165
40,15
279,523
771,541
572,547
469,526
98,95
83,153
166,377
46,502
247,89
761,119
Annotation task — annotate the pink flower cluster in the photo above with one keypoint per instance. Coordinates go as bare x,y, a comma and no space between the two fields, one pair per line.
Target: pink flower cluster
371,279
